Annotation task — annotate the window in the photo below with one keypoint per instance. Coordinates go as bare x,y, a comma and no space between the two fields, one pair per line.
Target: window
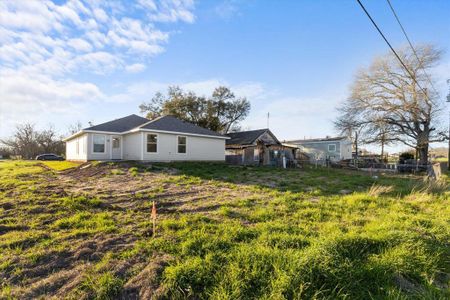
256,155
116,142
181,144
331,148
152,143
99,143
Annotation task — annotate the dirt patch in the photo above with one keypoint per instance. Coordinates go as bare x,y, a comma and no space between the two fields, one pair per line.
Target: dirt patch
145,285
6,228
58,284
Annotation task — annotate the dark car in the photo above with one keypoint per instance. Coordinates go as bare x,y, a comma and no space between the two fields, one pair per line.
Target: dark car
49,156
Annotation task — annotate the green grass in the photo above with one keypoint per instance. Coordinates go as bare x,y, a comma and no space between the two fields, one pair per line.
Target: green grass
61,165
223,232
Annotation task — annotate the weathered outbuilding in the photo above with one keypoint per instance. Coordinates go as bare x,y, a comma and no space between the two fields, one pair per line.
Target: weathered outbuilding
257,147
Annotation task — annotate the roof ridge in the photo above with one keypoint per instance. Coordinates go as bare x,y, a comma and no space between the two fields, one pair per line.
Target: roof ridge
150,121
178,125
262,129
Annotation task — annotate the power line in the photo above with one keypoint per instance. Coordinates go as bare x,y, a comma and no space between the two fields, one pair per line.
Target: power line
411,45
392,49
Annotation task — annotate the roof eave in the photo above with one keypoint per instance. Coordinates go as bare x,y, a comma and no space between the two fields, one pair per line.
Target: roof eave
179,132
73,135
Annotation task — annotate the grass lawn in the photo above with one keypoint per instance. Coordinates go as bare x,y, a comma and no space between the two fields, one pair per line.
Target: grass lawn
223,232
60,165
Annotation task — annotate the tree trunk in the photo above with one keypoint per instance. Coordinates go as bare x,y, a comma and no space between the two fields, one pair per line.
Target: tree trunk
423,155
422,145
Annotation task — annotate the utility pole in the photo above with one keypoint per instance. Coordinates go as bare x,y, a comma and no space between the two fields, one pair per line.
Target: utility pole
448,154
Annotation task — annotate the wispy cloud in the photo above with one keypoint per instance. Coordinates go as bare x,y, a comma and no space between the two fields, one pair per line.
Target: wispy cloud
227,9
144,90
135,68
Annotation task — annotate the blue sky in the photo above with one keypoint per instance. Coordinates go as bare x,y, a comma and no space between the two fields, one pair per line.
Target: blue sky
69,61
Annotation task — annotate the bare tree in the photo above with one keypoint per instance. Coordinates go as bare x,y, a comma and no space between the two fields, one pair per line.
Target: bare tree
404,101
379,132
350,123
75,127
49,142
29,142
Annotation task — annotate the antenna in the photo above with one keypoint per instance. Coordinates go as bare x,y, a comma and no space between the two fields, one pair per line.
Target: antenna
268,115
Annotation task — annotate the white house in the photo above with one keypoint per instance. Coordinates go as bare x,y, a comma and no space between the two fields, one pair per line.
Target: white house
332,148
136,138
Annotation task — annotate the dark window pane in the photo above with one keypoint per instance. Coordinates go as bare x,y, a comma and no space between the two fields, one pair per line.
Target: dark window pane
151,138
151,148
99,143
181,148
99,147
181,140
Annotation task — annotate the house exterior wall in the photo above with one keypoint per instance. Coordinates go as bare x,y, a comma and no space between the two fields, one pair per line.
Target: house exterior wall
80,154
99,156
346,149
197,148
267,138
321,150
132,144
134,147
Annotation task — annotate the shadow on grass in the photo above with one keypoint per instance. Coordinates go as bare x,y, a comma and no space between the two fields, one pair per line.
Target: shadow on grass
317,181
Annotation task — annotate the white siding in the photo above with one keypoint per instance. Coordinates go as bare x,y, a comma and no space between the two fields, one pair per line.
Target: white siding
80,142
197,148
99,156
132,146
346,149
135,148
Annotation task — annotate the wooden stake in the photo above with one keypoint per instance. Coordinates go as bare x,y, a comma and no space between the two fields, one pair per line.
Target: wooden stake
154,218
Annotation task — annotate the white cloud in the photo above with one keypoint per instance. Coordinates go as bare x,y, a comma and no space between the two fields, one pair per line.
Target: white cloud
42,32
79,44
169,10
40,98
144,90
135,68
44,45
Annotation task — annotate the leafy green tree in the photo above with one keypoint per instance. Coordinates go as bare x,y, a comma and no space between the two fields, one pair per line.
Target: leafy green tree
221,112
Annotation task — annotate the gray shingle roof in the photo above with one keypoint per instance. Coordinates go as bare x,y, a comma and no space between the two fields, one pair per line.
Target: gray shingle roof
120,125
165,123
170,123
244,137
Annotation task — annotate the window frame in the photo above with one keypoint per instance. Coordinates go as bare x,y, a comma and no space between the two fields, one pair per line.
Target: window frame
335,147
93,143
146,143
112,142
256,154
185,144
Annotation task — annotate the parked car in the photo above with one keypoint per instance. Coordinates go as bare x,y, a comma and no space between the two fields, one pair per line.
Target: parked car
49,156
